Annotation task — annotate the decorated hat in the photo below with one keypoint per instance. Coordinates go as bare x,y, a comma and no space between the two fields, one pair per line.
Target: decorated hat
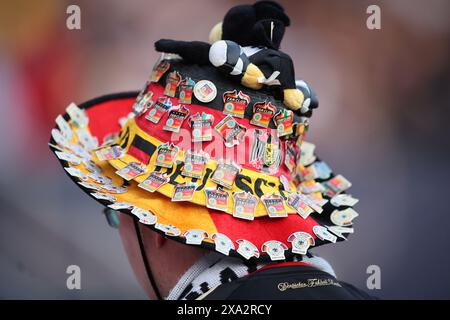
205,158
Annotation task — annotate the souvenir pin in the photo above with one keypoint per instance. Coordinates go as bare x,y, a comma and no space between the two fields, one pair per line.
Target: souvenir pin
247,249
205,91
244,205
80,151
60,139
154,181
186,91
201,126
308,173
110,139
168,229
275,249
223,243
195,236
344,217
308,188
184,191
103,196
132,170
77,115
301,241
194,164
231,131
74,172
159,70
234,103
283,120
336,185
262,114
176,118
299,205
274,204
142,104
91,166
108,153
121,206
99,178
144,216
310,202
289,155
343,200
285,182
323,234
270,152
166,155
158,109
148,219
339,231
306,154
86,139
172,82
69,157
114,189
217,198
322,170
225,173
90,185
64,127
317,199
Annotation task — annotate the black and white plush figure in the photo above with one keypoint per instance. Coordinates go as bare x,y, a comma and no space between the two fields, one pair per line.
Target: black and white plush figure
246,46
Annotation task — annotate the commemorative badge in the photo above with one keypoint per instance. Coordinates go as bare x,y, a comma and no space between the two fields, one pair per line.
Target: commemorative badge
217,199
184,191
159,70
205,91
284,122
132,170
176,118
262,114
225,173
172,82
194,164
158,109
234,103
186,91
274,204
231,131
201,126
166,155
301,207
154,181
244,205
108,153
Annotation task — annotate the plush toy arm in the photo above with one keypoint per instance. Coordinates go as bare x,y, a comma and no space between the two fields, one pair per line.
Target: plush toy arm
228,57
191,51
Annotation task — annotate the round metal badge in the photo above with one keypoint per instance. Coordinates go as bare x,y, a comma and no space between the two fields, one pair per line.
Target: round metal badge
205,91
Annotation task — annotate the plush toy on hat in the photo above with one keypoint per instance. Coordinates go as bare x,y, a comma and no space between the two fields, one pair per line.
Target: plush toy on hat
246,46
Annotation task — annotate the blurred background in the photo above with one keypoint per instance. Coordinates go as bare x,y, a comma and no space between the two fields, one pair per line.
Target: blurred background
383,122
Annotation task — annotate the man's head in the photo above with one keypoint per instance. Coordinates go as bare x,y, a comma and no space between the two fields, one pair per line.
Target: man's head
168,259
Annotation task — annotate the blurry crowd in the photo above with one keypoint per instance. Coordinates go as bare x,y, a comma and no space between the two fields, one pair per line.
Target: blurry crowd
382,122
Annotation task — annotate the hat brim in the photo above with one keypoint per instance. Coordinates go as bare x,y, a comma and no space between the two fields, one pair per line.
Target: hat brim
104,114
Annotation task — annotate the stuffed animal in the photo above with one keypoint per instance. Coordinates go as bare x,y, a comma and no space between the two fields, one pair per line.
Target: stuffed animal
246,46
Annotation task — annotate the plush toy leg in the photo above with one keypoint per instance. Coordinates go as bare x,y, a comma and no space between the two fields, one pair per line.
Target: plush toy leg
251,76
293,98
